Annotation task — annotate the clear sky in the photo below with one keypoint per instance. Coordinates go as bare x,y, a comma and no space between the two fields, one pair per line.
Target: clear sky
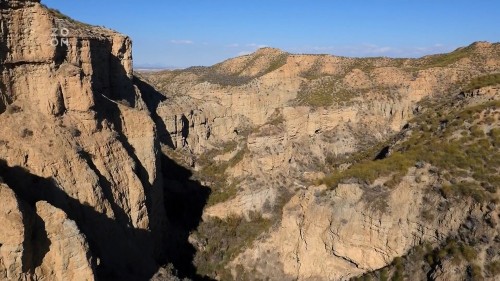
184,33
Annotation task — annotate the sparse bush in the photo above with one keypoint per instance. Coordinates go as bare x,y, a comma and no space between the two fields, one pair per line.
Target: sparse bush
221,193
475,272
225,239
475,156
26,133
476,131
167,273
214,172
12,108
323,92
446,191
384,275
398,274
276,63
216,75
74,131
493,268
447,59
483,81
468,252
428,215
276,120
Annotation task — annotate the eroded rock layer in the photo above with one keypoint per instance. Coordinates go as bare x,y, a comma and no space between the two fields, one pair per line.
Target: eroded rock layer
78,152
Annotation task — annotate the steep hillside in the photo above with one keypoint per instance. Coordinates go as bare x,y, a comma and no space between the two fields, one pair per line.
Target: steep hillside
436,184
260,128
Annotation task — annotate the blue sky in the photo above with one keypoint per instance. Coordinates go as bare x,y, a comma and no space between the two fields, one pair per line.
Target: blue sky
203,32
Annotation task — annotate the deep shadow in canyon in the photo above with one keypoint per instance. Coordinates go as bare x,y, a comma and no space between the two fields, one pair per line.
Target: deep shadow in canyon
118,246
185,199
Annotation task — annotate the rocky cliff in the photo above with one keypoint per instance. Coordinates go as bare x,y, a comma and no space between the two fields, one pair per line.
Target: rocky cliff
79,156
315,167
260,129
286,116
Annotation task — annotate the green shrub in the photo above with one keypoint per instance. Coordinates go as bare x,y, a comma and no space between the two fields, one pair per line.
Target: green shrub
495,136
483,81
476,131
316,94
475,156
428,215
225,239
217,75
276,120
468,252
447,59
384,275
493,268
276,63
370,170
399,273
476,272
221,193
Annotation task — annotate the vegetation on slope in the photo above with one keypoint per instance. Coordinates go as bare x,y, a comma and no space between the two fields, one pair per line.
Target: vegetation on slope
427,258
483,81
57,14
443,60
217,75
464,145
323,92
213,171
224,240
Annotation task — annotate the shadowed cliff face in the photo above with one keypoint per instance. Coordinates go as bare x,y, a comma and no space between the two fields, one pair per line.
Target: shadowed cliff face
80,157
184,197
107,241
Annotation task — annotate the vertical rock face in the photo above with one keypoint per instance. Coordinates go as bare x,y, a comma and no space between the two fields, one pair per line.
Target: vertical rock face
68,256
12,235
78,148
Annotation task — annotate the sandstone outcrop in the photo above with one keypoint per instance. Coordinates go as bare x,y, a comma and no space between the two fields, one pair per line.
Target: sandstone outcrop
79,147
